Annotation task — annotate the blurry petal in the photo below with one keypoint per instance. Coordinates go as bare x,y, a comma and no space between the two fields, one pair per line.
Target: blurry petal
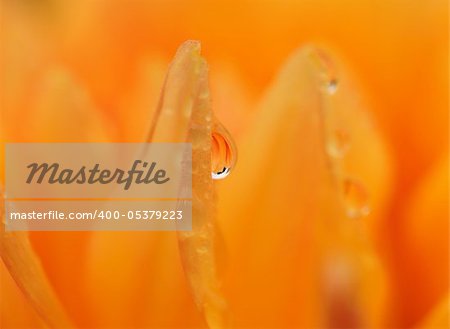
126,266
24,266
439,317
234,102
293,249
63,111
15,310
423,263
137,106
18,68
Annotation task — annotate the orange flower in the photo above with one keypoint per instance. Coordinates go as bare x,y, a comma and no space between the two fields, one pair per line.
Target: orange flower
336,214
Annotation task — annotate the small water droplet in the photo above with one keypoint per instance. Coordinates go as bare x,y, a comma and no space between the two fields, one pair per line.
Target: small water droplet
338,144
356,198
331,86
223,155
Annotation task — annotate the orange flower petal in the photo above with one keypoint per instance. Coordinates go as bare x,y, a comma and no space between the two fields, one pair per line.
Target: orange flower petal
182,116
24,266
296,258
15,310
185,115
63,111
132,279
439,317
423,272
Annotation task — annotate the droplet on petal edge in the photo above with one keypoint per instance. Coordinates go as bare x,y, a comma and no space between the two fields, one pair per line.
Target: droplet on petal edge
338,139
223,154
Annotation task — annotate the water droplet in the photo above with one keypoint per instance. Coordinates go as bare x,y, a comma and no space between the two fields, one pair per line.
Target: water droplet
356,199
326,70
331,86
223,155
338,144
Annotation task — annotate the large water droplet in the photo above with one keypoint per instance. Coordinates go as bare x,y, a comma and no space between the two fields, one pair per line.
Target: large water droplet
356,198
224,153
338,143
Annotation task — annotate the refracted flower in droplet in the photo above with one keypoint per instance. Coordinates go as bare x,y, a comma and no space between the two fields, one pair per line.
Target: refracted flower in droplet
224,153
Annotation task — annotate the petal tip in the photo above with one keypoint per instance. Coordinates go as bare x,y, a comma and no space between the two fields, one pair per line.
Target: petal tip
190,46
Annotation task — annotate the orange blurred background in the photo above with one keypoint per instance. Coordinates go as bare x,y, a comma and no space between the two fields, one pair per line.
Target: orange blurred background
119,50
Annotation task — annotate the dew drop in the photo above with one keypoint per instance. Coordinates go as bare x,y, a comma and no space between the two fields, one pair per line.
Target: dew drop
326,71
331,86
356,199
224,154
338,143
